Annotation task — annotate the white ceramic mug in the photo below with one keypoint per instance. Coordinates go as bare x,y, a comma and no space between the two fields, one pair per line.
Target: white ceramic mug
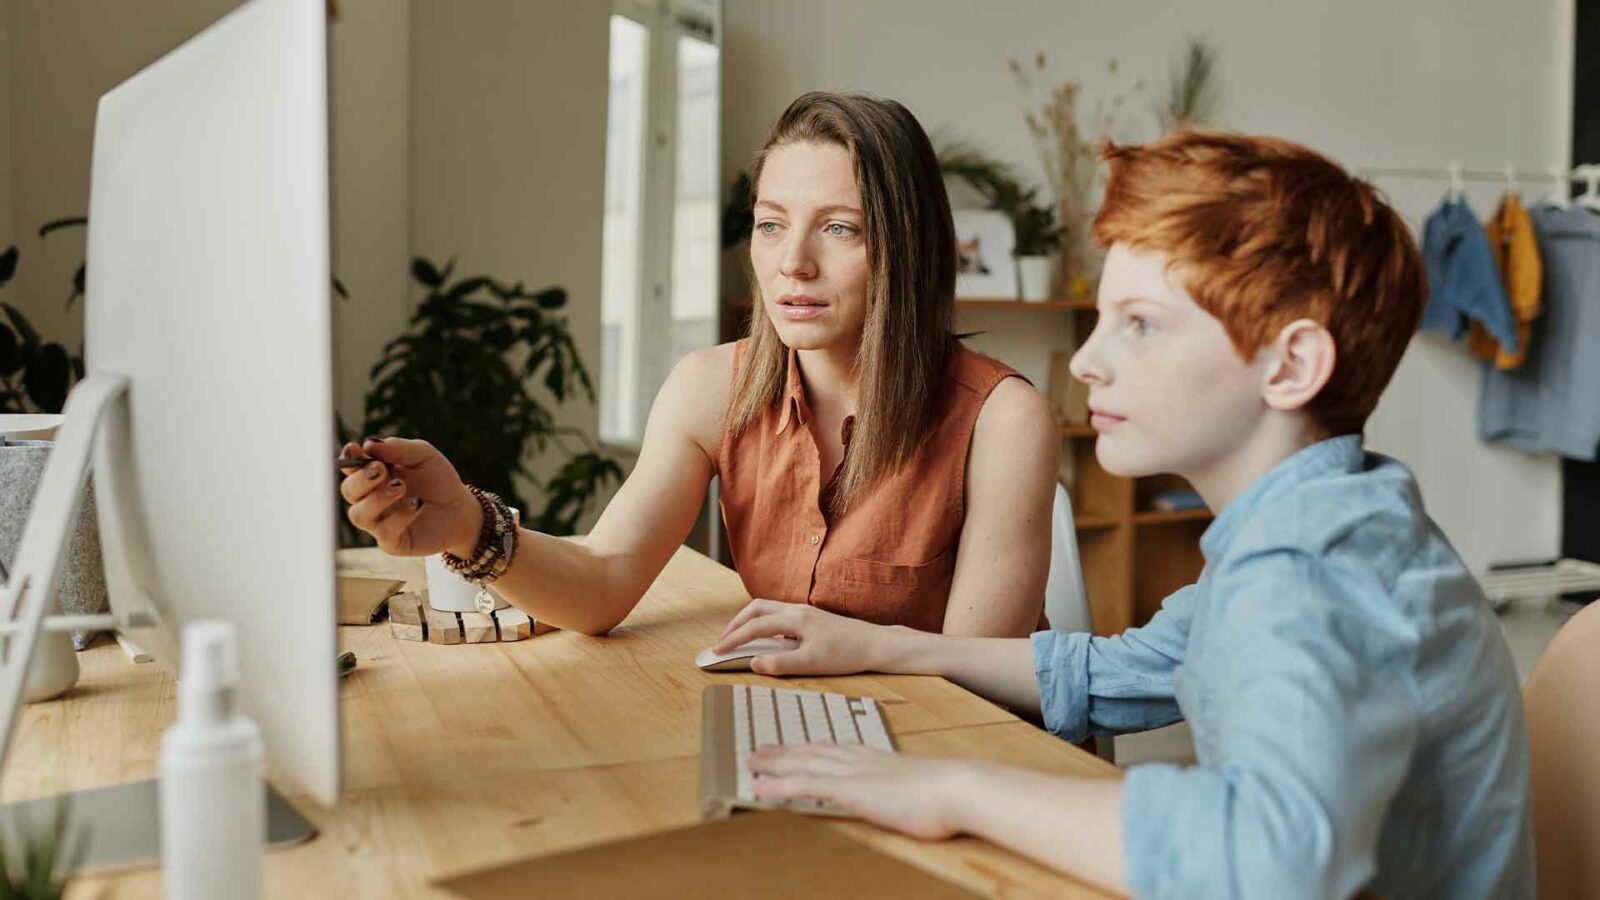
30,426
449,592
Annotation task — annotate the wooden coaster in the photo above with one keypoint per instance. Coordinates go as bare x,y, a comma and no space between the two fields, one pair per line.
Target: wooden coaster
412,619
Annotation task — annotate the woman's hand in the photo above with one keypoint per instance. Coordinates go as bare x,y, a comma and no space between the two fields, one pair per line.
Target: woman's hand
830,644
410,498
914,795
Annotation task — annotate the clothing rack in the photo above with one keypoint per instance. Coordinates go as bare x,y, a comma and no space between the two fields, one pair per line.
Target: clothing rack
1559,178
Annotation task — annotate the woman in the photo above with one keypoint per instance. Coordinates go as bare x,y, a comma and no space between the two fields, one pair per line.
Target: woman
870,465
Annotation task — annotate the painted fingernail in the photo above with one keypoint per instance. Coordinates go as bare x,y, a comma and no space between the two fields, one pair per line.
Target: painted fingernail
417,503
395,484
374,470
371,439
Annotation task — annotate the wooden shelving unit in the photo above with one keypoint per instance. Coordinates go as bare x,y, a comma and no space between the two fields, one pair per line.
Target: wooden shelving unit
1040,305
1133,556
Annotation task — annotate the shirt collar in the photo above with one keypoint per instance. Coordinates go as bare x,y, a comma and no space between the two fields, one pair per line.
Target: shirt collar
794,396
1339,454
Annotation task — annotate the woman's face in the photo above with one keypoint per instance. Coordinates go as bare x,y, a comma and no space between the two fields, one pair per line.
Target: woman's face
809,247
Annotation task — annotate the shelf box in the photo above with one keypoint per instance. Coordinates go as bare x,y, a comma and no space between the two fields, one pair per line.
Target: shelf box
1057,305
1162,517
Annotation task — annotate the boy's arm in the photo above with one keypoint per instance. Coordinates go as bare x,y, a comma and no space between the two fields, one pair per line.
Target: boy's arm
1079,684
1070,824
1310,717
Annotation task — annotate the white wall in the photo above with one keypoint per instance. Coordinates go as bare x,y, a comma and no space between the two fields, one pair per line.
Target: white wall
1368,82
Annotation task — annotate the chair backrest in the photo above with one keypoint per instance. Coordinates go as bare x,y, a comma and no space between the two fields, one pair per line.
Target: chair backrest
1066,603
1562,697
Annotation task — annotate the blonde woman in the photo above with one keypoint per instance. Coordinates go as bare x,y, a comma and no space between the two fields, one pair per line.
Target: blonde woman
870,465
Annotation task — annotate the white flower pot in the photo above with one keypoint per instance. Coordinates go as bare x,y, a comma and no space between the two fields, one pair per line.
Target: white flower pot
1034,277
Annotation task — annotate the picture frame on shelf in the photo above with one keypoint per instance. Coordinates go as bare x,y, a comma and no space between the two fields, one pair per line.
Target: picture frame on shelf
985,243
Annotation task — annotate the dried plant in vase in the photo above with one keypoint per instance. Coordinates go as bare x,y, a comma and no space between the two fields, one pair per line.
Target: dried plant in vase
1191,88
1068,153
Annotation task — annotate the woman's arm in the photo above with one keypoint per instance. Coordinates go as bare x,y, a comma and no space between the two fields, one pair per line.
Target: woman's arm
591,585
414,503
1004,556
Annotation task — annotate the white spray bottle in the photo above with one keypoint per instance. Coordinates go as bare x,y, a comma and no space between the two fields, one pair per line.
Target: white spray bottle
213,798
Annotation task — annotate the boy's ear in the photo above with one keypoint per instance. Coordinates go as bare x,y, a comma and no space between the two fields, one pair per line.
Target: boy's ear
1304,355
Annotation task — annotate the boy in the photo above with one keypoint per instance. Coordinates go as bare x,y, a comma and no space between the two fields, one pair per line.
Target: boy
1356,717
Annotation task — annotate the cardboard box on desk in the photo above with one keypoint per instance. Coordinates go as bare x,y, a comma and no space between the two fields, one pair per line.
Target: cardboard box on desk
368,577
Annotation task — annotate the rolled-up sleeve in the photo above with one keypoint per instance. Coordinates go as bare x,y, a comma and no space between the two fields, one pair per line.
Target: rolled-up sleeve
1312,725
1113,685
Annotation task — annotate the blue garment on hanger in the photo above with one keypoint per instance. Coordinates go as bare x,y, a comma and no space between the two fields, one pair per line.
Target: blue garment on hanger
1551,404
1463,281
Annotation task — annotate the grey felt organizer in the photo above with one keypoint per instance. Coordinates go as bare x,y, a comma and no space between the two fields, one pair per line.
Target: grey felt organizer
82,584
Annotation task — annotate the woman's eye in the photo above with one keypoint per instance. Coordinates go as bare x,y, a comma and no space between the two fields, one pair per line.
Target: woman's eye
767,227
839,230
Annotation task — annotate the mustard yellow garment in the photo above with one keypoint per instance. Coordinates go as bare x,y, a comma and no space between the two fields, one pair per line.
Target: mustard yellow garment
1516,253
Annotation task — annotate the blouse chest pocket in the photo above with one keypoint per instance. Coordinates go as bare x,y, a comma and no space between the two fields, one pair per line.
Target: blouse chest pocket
892,593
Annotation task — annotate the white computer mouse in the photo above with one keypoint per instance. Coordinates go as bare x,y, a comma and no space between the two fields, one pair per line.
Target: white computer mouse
738,659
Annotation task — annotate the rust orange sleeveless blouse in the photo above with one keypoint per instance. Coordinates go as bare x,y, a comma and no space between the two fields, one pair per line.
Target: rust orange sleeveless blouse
890,557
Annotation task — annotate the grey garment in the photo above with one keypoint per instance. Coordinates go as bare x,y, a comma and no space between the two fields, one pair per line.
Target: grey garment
1551,404
81,586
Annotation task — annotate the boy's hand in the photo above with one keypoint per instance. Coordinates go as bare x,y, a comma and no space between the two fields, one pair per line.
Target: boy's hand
909,794
829,644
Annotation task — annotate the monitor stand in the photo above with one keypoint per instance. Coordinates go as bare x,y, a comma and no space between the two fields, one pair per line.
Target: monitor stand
123,824
123,819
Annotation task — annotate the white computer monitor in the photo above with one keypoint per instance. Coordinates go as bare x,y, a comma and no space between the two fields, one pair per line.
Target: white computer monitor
209,289
209,397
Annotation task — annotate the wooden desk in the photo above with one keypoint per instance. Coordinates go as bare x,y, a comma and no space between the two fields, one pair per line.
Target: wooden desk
456,757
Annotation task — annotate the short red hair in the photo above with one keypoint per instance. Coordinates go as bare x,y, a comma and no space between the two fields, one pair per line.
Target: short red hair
1263,232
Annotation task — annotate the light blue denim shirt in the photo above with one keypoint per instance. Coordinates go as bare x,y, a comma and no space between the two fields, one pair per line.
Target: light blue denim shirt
1463,281
1357,720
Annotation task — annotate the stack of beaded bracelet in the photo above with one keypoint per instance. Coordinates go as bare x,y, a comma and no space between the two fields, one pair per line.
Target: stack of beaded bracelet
497,542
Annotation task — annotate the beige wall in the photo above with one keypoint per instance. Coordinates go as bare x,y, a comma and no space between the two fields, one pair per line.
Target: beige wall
508,150
63,55
475,129
8,14
369,49
1368,81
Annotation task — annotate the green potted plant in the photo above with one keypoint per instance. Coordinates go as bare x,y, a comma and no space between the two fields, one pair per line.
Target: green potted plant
35,374
1038,235
1038,238
478,373
40,862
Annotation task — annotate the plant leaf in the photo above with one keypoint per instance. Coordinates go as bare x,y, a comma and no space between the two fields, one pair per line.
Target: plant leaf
10,352
48,378
46,228
424,272
25,329
8,264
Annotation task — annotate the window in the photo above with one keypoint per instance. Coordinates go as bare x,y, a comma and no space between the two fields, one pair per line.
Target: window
660,257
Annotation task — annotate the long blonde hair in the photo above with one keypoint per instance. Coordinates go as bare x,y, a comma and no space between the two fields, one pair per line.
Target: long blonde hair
911,252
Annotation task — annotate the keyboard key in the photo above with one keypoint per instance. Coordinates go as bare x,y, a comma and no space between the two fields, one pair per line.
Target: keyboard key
791,723
844,724
743,742
816,715
763,718
873,732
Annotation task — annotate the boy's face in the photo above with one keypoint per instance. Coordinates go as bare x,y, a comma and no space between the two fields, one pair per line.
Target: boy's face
1167,390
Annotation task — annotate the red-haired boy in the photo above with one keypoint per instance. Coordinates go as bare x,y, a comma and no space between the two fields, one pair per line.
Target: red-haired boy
1356,716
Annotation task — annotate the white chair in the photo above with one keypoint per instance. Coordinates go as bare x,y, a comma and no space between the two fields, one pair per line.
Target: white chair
1066,601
